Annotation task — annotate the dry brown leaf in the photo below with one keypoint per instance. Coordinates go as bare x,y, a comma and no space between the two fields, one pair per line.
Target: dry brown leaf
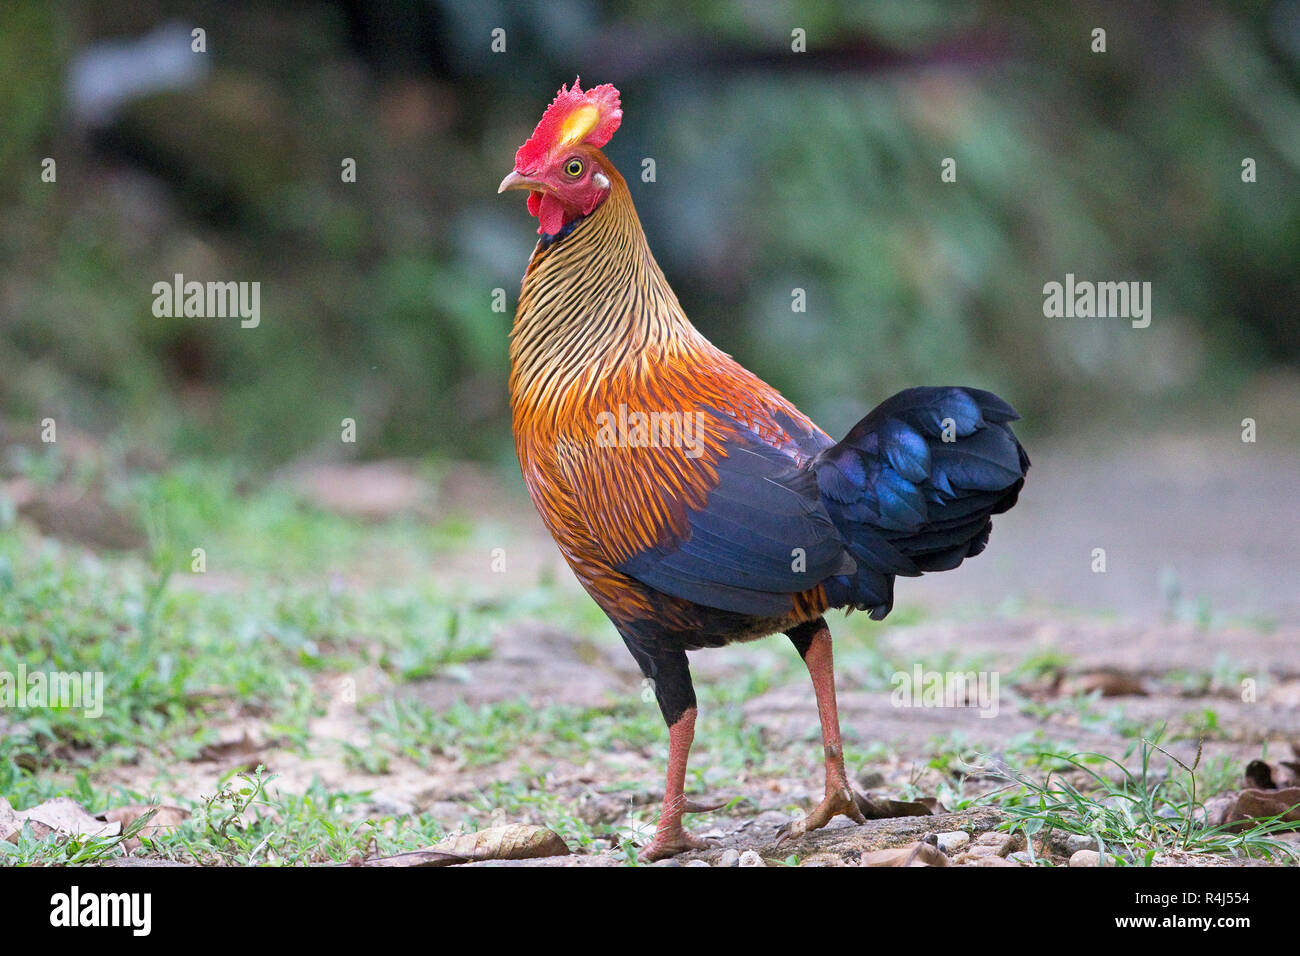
883,808
166,819
1273,776
516,841
914,854
1254,804
62,814
10,822
1110,683
417,858
67,816
234,743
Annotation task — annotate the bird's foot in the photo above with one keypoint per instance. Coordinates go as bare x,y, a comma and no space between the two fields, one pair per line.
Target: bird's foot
670,842
671,839
838,801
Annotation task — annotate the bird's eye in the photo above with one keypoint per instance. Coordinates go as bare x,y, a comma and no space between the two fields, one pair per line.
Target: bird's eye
574,168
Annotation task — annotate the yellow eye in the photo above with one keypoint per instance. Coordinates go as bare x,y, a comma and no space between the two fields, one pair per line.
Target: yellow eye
574,168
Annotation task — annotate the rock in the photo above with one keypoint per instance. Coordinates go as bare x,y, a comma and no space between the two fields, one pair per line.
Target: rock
822,859
994,843
697,862
915,854
953,841
730,857
1080,841
1014,842
848,842
1021,857
669,861
1085,858
750,858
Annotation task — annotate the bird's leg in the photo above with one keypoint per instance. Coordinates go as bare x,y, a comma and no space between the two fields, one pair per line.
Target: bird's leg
671,676
813,641
671,837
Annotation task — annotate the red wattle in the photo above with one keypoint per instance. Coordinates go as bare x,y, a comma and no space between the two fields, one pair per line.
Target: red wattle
550,215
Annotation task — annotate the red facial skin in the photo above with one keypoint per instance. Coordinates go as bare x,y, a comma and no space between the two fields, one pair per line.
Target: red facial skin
564,196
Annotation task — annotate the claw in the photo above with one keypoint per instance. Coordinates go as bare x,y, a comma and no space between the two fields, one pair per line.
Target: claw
836,803
791,831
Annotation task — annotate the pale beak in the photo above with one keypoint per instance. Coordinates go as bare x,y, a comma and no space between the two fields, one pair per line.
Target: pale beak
516,181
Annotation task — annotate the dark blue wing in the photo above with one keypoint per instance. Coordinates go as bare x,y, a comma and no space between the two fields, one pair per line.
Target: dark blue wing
762,536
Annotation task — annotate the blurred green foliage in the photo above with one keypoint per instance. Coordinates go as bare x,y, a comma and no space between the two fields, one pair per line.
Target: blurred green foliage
774,171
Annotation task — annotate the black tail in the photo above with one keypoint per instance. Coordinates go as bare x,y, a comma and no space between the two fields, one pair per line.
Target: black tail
913,486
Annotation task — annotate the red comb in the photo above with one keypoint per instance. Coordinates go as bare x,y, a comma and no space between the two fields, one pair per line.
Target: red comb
566,122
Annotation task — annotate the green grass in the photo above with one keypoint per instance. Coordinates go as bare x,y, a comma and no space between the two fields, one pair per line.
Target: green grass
1139,811
489,733
172,657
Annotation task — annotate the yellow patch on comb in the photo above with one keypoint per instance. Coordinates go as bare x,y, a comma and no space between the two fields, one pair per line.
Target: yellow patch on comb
578,124
574,116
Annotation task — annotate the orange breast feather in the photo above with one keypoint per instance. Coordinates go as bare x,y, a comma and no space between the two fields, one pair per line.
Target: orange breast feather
616,459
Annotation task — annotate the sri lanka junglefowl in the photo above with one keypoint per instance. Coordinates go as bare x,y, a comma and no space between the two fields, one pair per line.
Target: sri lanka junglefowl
694,503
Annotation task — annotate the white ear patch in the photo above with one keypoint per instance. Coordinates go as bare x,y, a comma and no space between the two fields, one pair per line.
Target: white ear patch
600,179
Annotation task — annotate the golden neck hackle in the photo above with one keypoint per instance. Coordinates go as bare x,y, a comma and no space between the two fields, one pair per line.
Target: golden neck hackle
591,301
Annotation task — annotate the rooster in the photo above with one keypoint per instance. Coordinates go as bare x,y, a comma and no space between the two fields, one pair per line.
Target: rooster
695,504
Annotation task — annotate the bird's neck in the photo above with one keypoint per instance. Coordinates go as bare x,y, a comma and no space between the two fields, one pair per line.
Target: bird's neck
590,301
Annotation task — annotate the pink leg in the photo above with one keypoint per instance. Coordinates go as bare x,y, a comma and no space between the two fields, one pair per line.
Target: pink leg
670,837
839,795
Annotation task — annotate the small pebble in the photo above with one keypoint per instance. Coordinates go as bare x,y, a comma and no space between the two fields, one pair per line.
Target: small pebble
1022,857
730,857
998,844
1080,841
750,858
953,840
1085,858
697,862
